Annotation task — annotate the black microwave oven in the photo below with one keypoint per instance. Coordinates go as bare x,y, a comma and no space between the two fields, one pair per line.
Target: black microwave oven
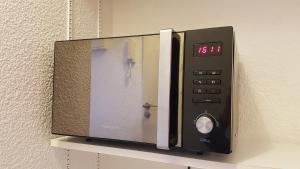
172,89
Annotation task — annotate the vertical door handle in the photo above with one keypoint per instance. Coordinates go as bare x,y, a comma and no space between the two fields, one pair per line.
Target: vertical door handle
164,84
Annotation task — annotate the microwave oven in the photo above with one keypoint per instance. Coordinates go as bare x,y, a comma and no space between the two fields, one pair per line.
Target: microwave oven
171,89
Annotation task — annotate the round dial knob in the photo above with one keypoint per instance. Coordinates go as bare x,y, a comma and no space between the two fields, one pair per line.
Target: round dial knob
205,124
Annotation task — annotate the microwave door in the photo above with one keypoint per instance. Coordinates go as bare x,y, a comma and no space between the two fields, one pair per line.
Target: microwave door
108,88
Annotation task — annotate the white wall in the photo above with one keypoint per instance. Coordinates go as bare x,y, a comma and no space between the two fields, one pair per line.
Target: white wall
27,32
84,17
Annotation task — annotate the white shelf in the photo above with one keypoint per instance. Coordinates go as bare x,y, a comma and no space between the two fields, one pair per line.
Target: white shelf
248,156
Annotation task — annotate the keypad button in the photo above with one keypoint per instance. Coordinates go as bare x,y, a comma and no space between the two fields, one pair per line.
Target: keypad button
213,91
199,72
199,81
213,72
199,91
206,100
213,81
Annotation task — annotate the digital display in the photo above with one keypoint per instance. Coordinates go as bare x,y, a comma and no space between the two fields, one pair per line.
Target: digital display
208,49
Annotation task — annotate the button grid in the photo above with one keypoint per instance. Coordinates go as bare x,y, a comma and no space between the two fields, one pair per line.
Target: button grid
206,82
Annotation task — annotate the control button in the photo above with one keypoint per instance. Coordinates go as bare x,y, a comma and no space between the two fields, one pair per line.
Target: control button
206,100
199,72
214,72
204,125
213,81
199,81
213,91
199,91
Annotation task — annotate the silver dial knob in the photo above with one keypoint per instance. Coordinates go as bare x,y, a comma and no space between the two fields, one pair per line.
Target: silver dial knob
204,125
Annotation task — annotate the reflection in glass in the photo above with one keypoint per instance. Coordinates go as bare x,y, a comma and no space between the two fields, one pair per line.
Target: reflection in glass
107,88
100,87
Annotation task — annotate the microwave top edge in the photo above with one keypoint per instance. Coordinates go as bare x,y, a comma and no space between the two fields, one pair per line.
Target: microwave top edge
127,36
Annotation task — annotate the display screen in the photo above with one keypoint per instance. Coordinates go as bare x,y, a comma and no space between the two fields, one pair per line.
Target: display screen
208,49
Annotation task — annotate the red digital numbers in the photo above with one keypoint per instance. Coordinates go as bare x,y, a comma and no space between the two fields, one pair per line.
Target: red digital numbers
202,50
219,49
212,49
205,49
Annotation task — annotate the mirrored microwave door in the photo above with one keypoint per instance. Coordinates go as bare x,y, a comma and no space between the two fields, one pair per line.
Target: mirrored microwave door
116,90
150,86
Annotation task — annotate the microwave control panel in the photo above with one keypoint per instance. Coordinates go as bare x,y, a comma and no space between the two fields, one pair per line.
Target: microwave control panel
207,90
